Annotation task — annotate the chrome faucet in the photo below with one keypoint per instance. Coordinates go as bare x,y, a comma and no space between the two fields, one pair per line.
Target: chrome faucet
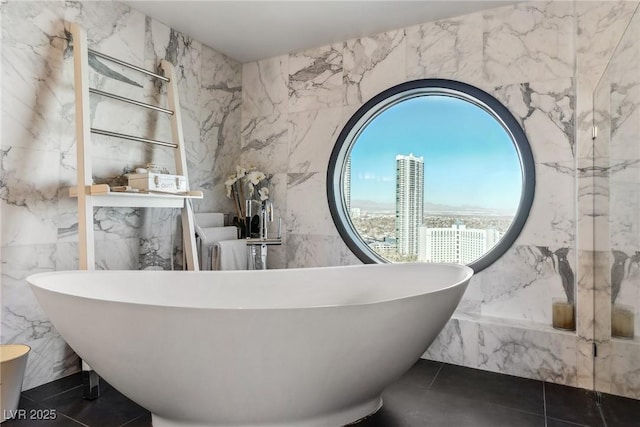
266,214
259,261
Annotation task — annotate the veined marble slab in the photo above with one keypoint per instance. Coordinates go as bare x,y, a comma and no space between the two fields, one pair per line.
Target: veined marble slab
315,78
451,48
265,88
525,349
313,134
531,41
373,64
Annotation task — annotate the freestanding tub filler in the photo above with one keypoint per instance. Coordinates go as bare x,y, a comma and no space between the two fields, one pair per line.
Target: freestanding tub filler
295,347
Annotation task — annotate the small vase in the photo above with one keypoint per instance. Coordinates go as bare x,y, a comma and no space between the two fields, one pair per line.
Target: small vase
622,321
242,231
563,314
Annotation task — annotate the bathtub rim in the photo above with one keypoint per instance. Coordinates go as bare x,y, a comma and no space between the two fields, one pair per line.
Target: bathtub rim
469,273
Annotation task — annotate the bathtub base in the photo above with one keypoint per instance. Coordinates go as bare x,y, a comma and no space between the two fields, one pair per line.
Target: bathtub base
341,418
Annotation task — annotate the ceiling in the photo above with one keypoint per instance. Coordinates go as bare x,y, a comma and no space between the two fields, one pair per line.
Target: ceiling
252,30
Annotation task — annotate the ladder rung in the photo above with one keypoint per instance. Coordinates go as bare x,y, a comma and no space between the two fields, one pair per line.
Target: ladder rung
126,64
129,100
133,138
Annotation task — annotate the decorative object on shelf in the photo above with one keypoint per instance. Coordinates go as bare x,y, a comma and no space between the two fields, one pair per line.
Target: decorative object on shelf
562,309
563,314
152,168
622,321
622,316
245,186
155,181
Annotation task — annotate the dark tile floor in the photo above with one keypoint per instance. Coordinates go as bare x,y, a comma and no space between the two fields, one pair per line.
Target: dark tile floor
430,394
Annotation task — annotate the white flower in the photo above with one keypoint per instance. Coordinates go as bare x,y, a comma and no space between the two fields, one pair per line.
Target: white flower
248,180
240,172
229,183
255,177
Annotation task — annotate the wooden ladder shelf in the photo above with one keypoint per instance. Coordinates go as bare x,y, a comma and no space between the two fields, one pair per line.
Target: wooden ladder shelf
91,195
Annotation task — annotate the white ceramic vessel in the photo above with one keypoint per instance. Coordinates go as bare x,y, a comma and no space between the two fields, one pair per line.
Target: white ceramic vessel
296,347
13,361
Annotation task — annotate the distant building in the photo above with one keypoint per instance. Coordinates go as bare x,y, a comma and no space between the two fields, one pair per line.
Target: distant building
355,213
457,244
409,202
384,248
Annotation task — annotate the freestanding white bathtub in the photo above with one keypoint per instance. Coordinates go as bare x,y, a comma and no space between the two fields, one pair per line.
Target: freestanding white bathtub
296,347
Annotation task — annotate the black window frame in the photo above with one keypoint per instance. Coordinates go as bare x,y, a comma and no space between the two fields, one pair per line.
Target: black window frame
394,95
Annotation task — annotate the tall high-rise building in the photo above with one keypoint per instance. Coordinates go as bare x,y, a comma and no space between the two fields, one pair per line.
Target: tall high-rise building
347,185
409,202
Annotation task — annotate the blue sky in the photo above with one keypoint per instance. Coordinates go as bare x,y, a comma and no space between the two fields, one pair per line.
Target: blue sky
469,159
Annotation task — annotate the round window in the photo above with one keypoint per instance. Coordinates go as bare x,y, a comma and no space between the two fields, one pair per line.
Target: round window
431,171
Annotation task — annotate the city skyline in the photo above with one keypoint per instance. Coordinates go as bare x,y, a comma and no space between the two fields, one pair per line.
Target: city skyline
413,236
467,161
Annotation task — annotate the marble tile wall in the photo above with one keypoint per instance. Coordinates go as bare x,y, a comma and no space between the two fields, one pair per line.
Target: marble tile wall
516,348
38,158
617,252
542,60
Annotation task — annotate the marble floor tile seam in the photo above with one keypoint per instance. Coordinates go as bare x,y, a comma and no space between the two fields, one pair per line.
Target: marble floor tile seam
133,420
46,403
53,396
74,420
58,412
601,412
496,385
571,393
433,380
492,404
539,395
567,422
544,402
57,385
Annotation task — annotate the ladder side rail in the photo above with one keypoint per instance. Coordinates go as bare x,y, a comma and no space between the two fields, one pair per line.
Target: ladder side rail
86,249
188,228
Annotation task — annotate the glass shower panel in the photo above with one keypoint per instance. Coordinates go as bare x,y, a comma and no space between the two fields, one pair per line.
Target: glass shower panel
617,213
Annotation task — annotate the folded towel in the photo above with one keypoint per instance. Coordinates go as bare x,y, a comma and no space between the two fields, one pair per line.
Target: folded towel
209,219
208,237
229,255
